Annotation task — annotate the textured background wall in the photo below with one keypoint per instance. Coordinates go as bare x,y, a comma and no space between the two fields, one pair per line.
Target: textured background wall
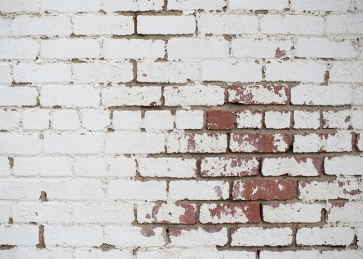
181,129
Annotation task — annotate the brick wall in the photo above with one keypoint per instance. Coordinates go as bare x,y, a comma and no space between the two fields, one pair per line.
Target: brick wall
181,129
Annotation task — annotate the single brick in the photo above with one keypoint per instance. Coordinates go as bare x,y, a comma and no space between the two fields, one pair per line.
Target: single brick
324,48
198,190
133,49
72,144
292,166
130,237
291,213
19,235
344,23
71,6
292,24
9,120
193,49
167,167
320,5
229,213
259,143
306,119
35,120
166,213
158,120
193,95
51,212
103,213
136,190
258,94
344,165
277,119
131,96
322,142
65,120
189,119
345,212
310,190
196,143
111,72
228,71
64,236
277,5
229,166
220,120
258,236
127,120
135,143
193,252
95,120
264,189
321,95
20,144
42,166
262,48
42,73
337,119
190,5
249,119
93,24
359,141
307,71
132,6
166,24
196,236
299,254
325,236
70,96
219,24
167,72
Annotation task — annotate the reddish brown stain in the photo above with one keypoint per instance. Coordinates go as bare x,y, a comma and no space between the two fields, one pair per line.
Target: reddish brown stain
189,216
280,53
220,120
155,211
212,229
338,204
177,231
147,232
191,142
263,143
265,190
252,211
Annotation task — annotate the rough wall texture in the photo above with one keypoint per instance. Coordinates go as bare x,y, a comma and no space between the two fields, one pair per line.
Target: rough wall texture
181,129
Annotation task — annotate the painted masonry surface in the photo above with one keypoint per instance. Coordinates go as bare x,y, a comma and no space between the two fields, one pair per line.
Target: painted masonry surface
181,129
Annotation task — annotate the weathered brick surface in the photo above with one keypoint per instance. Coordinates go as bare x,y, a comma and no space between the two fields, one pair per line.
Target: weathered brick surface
180,129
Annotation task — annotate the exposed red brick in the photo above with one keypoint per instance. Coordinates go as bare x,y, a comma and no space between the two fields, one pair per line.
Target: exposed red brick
189,216
264,190
259,143
220,120
251,211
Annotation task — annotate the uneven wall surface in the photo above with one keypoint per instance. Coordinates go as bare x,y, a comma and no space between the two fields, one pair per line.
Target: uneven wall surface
181,129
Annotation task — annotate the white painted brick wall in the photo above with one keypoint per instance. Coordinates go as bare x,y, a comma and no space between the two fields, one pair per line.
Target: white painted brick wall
181,129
